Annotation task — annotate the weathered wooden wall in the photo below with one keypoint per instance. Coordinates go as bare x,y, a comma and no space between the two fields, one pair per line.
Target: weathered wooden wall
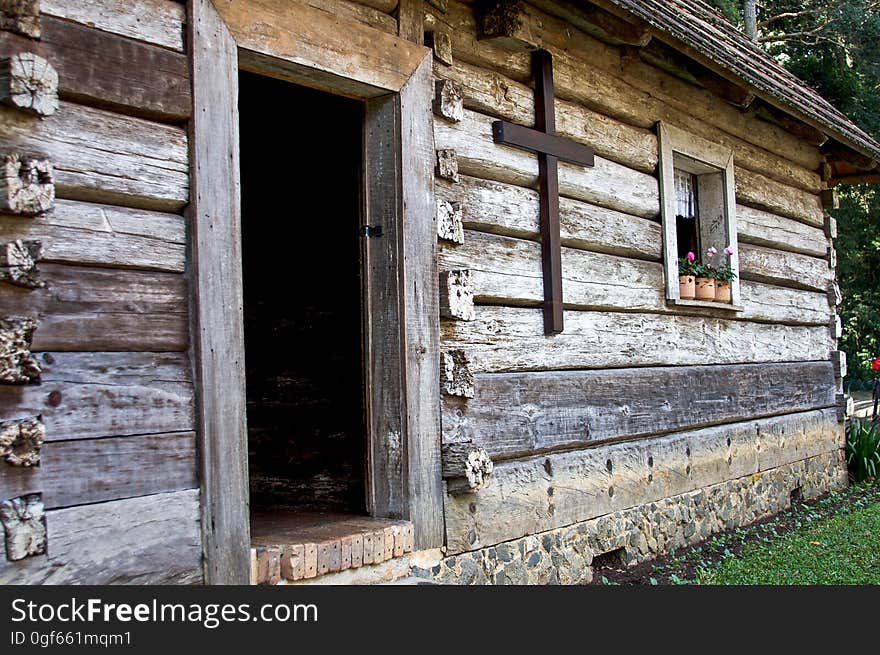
636,400
117,474
629,367
118,470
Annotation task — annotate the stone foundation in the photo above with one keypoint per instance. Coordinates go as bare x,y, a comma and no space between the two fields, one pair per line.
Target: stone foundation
565,555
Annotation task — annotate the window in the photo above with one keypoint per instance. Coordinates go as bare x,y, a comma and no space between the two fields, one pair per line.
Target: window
698,208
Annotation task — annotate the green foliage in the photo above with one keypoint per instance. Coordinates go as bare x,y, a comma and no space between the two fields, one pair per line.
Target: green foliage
704,270
838,550
858,271
724,273
730,9
834,46
686,267
863,449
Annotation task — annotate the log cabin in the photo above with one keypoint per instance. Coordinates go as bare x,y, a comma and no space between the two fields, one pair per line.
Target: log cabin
362,291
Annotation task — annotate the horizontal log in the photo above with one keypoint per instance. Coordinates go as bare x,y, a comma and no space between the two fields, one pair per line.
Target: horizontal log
106,70
154,21
763,228
592,73
547,492
785,268
308,45
759,191
387,6
365,12
516,414
99,309
149,540
88,395
504,339
511,210
493,94
607,183
103,235
97,470
504,270
100,156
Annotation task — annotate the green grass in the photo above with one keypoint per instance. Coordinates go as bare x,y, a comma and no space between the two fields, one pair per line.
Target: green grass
841,549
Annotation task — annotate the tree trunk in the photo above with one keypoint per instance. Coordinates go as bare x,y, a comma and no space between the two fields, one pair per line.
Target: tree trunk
751,19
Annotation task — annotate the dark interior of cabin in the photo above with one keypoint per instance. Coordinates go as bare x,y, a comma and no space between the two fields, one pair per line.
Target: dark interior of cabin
300,176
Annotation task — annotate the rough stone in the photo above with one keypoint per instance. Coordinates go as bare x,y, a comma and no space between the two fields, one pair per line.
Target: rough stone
563,555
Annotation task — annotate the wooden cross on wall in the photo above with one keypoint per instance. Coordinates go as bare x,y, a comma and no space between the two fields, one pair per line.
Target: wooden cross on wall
550,149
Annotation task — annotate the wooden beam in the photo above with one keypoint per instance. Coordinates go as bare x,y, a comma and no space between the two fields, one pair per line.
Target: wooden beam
103,235
92,395
598,22
867,178
607,183
215,222
521,414
441,45
507,271
384,379
101,309
421,306
409,21
160,22
102,156
791,124
85,471
542,493
836,151
511,339
112,71
148,540
503,22
302,44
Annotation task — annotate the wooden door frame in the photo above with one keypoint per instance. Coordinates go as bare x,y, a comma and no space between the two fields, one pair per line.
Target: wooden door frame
295,42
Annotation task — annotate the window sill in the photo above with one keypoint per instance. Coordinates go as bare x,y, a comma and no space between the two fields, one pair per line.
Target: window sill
708,304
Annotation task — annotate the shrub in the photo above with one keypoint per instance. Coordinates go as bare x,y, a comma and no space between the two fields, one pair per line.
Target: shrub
863,449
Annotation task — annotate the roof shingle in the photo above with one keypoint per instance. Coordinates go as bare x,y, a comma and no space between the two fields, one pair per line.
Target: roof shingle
698,26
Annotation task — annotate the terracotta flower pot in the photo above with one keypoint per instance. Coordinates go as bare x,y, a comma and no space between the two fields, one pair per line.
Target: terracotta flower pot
705,288
686,287
722,291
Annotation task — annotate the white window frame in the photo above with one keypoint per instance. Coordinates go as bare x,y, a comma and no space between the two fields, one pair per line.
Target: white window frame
675,141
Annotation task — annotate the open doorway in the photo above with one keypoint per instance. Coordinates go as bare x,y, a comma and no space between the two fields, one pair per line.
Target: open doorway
301,166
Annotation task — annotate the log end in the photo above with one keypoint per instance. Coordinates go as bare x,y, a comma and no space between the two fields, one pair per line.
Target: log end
467,467
27,186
